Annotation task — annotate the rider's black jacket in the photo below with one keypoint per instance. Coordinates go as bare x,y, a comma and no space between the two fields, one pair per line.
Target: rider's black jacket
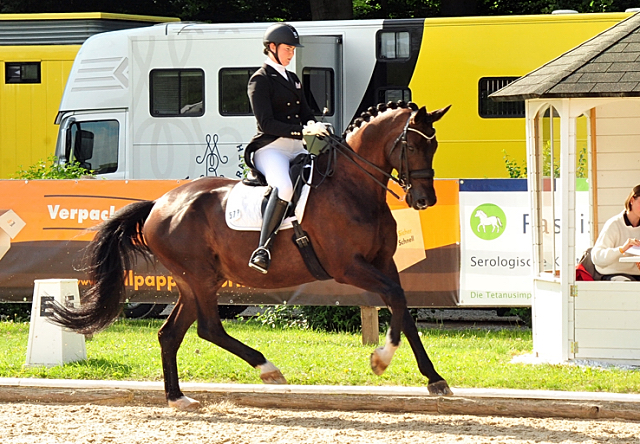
279,106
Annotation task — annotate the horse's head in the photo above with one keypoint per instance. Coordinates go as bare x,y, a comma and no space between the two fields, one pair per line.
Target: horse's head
412,156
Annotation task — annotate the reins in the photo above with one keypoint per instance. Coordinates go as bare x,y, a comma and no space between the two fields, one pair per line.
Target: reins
336,145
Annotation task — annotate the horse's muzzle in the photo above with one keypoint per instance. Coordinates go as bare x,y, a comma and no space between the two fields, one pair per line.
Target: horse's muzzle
422,203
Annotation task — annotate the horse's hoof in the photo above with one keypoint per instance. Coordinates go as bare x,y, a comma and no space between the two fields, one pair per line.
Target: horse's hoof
378,366
185,404
274,377
440,388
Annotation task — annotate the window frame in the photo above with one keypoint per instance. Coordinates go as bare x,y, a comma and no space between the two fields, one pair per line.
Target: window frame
12,81
179,71
483,98
395,32
221,102
381,92
307,88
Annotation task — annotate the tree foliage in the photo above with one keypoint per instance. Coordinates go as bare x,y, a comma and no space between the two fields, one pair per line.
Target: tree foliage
232,11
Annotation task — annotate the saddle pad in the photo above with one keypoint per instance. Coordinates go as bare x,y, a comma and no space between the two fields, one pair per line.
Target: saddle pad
244,212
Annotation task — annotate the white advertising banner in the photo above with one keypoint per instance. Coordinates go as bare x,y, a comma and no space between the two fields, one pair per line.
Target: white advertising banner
496,241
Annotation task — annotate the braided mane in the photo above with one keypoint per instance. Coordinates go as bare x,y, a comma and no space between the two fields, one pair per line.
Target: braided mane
372,112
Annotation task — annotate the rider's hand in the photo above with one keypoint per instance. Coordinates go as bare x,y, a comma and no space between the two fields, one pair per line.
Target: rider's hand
315,129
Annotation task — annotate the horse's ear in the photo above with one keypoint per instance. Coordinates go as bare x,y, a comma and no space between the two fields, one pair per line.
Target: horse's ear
437,115
420,116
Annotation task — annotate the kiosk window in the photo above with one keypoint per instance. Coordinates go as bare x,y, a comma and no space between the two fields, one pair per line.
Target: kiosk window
177,92
233,91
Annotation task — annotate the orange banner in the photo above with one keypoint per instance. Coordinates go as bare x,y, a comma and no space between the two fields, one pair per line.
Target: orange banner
65,209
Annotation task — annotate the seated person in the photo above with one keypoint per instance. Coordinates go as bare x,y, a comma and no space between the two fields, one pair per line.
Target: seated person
619,233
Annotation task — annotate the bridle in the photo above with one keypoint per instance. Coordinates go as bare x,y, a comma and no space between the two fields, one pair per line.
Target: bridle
405,175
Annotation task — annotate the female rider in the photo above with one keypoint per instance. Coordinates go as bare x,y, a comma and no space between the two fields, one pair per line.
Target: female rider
280,107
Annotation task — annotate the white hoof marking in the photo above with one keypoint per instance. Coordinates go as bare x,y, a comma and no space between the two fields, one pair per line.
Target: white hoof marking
185,403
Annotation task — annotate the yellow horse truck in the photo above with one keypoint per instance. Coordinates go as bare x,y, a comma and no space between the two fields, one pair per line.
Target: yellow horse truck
149,107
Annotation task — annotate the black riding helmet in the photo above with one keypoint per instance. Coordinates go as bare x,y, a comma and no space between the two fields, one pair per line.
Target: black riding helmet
280,33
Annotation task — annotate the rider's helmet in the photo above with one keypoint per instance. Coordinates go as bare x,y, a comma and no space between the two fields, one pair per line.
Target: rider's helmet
281,33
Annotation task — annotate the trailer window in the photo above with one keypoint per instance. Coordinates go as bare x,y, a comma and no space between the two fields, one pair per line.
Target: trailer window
319,89
394,45
234,100
22,72
394,94
94,145
177,92
488,108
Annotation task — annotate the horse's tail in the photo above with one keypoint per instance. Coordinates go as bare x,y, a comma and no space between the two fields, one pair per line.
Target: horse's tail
112,251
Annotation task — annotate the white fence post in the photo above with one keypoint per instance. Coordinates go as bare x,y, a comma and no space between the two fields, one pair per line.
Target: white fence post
49,344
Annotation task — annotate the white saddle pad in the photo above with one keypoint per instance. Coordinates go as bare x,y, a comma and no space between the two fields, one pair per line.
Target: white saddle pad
244,208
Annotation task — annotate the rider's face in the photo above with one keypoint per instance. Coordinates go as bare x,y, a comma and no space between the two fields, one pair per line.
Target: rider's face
285,52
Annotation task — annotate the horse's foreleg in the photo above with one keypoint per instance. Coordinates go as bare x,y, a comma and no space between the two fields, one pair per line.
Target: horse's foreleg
170,336
387,284
437,384
364,275
381,356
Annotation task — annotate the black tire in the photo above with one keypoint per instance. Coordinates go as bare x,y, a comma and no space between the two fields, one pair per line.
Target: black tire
136,310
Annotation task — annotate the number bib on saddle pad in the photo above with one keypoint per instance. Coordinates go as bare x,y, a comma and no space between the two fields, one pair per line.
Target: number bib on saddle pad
244,207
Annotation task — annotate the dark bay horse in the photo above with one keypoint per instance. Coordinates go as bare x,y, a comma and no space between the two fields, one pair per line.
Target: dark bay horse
347,218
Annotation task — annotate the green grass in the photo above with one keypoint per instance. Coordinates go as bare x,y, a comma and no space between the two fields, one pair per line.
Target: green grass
129,350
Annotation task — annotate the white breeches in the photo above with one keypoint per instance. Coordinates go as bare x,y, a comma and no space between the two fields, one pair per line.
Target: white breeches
273,161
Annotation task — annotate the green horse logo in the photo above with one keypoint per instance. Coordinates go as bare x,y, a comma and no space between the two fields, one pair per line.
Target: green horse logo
488,221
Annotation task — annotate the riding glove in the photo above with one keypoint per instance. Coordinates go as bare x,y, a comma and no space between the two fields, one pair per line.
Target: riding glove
315,129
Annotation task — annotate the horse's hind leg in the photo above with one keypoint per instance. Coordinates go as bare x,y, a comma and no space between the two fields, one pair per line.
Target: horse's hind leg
211,329
170,336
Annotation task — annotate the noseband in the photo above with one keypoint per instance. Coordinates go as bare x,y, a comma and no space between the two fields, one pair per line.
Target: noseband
404,173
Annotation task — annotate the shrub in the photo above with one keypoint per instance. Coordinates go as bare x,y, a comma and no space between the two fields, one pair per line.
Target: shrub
51,169
323,318
12,312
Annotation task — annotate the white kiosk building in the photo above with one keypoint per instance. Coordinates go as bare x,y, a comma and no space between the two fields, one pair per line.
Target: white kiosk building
583,126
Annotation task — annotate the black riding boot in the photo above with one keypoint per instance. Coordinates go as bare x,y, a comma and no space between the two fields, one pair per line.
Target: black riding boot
271,220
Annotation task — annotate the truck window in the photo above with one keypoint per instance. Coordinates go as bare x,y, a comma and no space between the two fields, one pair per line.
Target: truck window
232,94
94,145
488,108
394,45
176,92
319,89
22,72
386,95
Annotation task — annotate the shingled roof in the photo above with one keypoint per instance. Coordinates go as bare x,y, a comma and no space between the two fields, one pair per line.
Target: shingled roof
608,65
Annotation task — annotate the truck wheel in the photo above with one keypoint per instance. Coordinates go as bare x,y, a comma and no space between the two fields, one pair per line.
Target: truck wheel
136,310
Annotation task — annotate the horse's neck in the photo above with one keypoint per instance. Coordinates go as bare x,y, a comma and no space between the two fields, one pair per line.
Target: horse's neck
359,177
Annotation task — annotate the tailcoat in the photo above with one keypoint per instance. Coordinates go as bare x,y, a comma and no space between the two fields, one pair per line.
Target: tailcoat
279,106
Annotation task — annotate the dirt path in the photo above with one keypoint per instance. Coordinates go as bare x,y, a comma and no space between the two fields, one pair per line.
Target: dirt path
231,424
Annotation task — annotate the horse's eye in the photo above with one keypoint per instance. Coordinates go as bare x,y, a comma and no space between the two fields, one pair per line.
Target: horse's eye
411,147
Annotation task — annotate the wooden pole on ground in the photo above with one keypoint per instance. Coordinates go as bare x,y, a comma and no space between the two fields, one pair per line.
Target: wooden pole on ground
370,335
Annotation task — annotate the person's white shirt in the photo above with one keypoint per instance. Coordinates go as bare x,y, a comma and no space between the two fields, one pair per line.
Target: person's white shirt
606,254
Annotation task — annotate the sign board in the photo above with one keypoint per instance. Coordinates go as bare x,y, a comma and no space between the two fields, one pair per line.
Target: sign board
496,240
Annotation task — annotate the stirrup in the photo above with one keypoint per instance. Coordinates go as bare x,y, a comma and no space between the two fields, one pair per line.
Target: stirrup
258,267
